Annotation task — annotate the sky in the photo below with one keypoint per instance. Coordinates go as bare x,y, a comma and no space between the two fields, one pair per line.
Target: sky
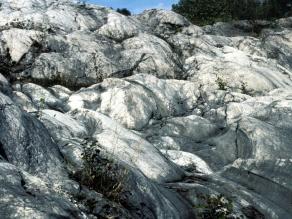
135,6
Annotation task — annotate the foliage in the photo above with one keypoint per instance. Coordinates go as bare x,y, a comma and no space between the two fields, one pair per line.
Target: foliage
203,12
82,4
215,207
42,102
41,106
102,174
124,11
243,88
222,85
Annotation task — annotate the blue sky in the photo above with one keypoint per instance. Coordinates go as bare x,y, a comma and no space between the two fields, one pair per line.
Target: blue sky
135,6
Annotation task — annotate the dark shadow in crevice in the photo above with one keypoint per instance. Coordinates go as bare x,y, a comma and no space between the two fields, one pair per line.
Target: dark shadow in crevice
2,152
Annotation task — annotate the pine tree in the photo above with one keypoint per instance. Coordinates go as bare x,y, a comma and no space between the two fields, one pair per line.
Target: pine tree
202,12
124,11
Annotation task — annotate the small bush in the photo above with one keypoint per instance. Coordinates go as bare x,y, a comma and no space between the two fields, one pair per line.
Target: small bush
243,88
82,4
222,85
41,106
124,11
215,207
102,175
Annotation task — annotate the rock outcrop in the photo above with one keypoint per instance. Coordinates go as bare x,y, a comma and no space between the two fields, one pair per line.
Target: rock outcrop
182,115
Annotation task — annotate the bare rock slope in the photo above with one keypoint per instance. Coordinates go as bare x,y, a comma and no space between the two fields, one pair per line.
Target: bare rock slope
146,116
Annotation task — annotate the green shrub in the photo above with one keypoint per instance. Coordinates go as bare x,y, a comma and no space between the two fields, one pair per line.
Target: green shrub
243,88
41,106
102,174
222,85
214,207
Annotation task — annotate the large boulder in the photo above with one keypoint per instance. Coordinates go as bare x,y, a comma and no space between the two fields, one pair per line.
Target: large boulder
120,27
25,196
25,142
152,98
128,146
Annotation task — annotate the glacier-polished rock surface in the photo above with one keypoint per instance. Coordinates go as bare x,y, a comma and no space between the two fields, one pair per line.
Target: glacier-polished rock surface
188,112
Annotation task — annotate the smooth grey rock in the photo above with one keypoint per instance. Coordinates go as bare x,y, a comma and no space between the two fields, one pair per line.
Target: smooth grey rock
25,142
120,27
129,147
158,58
152,97
188,161
143,193
185,109
163,23
68,134
24,102
42,98
20,41
26,196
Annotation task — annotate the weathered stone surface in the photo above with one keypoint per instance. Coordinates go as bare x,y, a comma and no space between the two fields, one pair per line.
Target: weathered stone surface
25,196
25,142
120,27
129,147
190,112
70,135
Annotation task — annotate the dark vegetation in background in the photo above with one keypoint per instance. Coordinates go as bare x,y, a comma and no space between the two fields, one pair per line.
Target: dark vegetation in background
124,11
204,12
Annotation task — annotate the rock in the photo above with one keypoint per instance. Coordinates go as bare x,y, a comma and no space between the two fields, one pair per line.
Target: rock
129,147
285,22
266,142
153,98
192,127
68,134
272,109
24,102
118,103
42,98
156,56
146,193
82,68
120,27
26,142
241,72
23,196
255,180
251,212
163,23
188,161
60,92
237,28
20,41
278,46
191,114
